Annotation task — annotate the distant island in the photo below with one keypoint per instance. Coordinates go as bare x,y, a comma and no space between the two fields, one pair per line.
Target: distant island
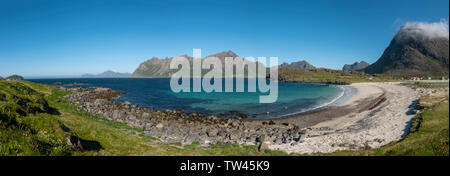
107,74
12,78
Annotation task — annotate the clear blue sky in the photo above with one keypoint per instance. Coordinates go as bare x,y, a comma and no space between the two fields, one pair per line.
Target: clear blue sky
62,38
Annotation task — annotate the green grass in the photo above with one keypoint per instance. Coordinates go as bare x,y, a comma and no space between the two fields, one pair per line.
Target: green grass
24,129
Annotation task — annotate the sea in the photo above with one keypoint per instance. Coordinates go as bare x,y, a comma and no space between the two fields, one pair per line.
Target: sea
155,93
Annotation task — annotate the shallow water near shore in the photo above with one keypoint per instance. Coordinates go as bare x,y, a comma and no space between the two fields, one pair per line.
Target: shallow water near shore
156,93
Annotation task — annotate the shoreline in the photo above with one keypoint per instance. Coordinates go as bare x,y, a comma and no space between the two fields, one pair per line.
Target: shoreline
346,94
379,113
347,123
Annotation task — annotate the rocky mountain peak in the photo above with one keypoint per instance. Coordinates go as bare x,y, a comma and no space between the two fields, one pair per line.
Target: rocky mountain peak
416,50
355,66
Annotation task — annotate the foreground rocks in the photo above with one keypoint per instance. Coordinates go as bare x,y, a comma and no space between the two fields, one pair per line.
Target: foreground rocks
185,127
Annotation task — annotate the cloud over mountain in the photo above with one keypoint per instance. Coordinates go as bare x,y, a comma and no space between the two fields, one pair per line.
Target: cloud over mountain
423,31
418,49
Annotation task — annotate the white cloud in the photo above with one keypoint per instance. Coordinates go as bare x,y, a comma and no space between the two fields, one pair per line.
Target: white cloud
423,30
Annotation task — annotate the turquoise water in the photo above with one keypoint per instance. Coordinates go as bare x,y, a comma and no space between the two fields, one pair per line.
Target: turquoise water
156,93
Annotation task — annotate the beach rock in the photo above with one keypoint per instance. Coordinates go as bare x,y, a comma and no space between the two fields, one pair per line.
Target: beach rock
159,126
118,114
271,122
102,89
263,146
213,132
100,102
146,115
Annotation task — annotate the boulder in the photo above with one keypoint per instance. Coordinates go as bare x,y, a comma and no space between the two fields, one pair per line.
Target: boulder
145,115
263,146
159,126
100,102
271,122
118,114
212,132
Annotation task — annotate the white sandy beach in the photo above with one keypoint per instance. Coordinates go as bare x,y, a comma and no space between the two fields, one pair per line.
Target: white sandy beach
373,128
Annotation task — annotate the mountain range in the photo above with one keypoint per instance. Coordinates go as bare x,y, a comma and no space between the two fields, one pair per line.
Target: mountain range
417,49
155,67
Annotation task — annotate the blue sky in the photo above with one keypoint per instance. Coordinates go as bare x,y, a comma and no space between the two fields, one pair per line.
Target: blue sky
65,38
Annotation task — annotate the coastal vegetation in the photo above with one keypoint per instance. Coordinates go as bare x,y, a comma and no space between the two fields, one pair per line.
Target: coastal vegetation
27,126
329,75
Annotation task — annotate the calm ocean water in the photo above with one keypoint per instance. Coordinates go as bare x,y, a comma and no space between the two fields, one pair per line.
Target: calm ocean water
156,93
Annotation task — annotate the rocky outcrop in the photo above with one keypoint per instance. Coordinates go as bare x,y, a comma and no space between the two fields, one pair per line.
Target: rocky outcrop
185,127
154,67
357,66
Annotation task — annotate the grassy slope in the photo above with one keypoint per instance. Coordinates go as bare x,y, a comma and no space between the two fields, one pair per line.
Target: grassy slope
23,129
324,75
116,138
